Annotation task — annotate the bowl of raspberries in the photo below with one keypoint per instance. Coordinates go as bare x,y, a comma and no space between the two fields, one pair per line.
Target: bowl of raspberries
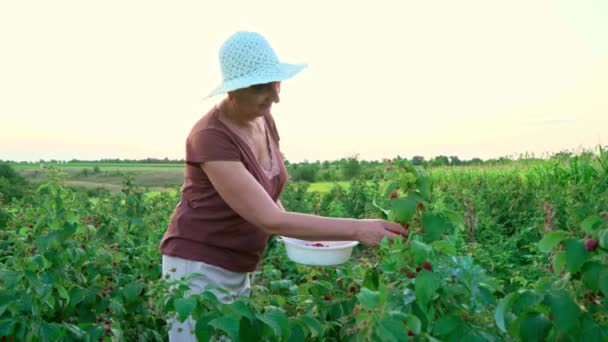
318,253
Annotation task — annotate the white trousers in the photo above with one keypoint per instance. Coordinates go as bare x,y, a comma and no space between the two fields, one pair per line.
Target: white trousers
237,284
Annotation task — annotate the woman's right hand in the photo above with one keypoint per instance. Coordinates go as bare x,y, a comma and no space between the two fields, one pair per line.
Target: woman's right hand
371,231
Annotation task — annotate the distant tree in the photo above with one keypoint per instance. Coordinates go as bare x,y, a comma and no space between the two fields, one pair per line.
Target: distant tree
12,184
351,167
418,160
440,161
455,161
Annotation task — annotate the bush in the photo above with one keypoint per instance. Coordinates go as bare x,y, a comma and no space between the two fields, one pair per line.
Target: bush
12,184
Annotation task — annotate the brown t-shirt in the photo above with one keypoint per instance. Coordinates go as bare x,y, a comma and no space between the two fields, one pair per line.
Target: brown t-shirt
203,227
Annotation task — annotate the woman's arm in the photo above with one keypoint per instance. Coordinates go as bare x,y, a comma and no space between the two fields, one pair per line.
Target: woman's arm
280,205
246,196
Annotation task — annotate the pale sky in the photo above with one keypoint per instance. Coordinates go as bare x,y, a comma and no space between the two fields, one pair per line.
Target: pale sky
127,79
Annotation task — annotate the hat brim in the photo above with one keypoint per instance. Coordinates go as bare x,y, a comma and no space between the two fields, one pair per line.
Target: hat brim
278,72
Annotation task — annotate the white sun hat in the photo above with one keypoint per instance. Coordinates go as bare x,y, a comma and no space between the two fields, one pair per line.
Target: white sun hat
246,59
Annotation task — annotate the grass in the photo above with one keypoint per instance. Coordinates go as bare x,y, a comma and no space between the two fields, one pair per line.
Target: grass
155,178
325,187
101,166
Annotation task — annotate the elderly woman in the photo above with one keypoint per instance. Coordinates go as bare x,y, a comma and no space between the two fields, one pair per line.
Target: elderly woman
234,174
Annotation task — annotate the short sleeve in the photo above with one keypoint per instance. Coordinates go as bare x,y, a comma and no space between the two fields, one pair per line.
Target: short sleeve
211,144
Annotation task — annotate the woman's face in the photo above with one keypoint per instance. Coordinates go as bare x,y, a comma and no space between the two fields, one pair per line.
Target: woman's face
256,100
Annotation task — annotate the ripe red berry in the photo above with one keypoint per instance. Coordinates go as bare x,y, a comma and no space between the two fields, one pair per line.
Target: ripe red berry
427,266
420,206
108,330
326,297
393,194
111,288
352,289
410,333
104,294
411,275
591,245
314,277
30,225
418,268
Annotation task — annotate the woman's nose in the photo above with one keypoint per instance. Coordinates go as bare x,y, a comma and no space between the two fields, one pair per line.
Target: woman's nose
275,90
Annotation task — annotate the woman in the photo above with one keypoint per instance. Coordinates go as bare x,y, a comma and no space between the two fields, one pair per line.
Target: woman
234,174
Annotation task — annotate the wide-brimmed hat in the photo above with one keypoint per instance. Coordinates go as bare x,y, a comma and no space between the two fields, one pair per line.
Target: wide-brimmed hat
246,58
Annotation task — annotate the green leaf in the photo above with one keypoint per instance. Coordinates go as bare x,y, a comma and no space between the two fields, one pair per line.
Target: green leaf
76,331
368,298
391,330
314,326
559,262
402,209
201,329
52,331
280,284
426,285
229,325
444,247
277,321
63,293
421,251
413,323
390,187
526,301
296,333
534,327
6,326
591,331
371,279
502,309
425,185
239,308
591,275
132,291
565,311
10,278
602,281
603,236
591,224
576,255
552,239
447,324
433,226
184,307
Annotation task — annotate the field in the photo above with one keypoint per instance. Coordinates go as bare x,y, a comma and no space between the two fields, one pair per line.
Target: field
152,177
517,252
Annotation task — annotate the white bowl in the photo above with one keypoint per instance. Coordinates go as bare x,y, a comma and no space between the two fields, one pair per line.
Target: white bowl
303,252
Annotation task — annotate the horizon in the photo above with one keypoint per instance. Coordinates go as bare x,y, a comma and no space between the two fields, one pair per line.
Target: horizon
521,156
470,79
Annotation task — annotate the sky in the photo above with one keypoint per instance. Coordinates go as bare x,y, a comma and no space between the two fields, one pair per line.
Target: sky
128,79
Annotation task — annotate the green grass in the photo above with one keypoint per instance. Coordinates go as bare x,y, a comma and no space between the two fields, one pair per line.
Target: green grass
101,166
325,187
